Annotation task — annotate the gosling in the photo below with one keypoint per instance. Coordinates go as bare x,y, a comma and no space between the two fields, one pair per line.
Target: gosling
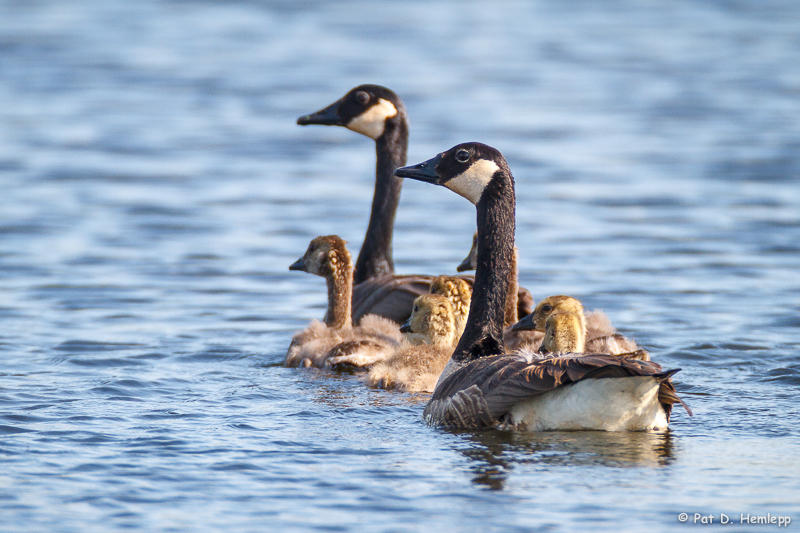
430,337
599,336
375,338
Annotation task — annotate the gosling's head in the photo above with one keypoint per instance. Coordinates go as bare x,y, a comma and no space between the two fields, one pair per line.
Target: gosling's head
326,256
548,306
432,318
457,290
564,333
366,109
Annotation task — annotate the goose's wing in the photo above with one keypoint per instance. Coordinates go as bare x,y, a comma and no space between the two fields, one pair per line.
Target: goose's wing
390,296
481,392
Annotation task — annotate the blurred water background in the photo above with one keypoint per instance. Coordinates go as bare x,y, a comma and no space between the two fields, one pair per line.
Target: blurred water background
155,188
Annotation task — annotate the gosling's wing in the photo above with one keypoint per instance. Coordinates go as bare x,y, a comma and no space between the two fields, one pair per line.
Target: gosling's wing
358,353
616,344
390,296
483,391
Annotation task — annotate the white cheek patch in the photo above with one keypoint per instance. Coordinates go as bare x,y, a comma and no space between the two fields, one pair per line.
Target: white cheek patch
372,121
471,183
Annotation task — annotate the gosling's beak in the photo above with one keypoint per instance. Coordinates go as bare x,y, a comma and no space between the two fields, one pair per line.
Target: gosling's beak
406,327
525,324
300,264
324,117
542,349
425,171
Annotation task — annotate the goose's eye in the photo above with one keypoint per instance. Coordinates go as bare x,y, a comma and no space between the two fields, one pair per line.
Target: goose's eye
462,156
416,308
362,97
547,308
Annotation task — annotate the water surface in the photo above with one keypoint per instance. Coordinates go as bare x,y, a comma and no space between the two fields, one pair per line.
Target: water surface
155,189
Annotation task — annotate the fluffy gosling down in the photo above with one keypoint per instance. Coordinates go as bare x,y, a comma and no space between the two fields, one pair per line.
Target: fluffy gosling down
599,335
430,336
374,339
459,293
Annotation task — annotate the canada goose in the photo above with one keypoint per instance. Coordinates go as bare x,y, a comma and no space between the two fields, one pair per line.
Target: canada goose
514,339
430,336
380,114
600,335
328,257
459,293
565,333
482,386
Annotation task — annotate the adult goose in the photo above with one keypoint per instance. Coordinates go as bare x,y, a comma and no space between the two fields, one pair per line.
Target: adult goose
380,114
481,385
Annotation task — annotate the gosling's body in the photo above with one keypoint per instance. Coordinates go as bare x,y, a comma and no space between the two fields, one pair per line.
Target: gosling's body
374,338
600,335
430,338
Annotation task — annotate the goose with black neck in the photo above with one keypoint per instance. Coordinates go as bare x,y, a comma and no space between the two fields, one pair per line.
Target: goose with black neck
482,386
378,113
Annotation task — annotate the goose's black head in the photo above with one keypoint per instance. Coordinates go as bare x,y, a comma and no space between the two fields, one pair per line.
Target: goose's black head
466,169
365,110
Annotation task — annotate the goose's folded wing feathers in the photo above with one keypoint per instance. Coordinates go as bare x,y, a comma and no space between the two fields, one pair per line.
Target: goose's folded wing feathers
481,392
392,296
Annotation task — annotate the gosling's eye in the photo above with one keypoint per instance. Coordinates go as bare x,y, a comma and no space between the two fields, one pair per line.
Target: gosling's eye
547,308
462,156
362,97
416,308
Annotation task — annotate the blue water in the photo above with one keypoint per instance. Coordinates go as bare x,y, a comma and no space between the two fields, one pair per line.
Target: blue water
155,189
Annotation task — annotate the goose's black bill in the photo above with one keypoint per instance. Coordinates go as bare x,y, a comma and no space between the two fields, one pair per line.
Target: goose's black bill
406,327
425,171
466,265
298,265
324,117
525,324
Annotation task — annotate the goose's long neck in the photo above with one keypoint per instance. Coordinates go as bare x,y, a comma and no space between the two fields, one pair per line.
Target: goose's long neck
375,257
340,292
483,334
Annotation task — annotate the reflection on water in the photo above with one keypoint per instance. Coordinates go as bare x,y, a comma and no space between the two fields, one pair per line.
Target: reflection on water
493,454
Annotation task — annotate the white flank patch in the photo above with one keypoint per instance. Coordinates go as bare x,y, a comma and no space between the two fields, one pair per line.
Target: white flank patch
471,183
372,121
610,404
